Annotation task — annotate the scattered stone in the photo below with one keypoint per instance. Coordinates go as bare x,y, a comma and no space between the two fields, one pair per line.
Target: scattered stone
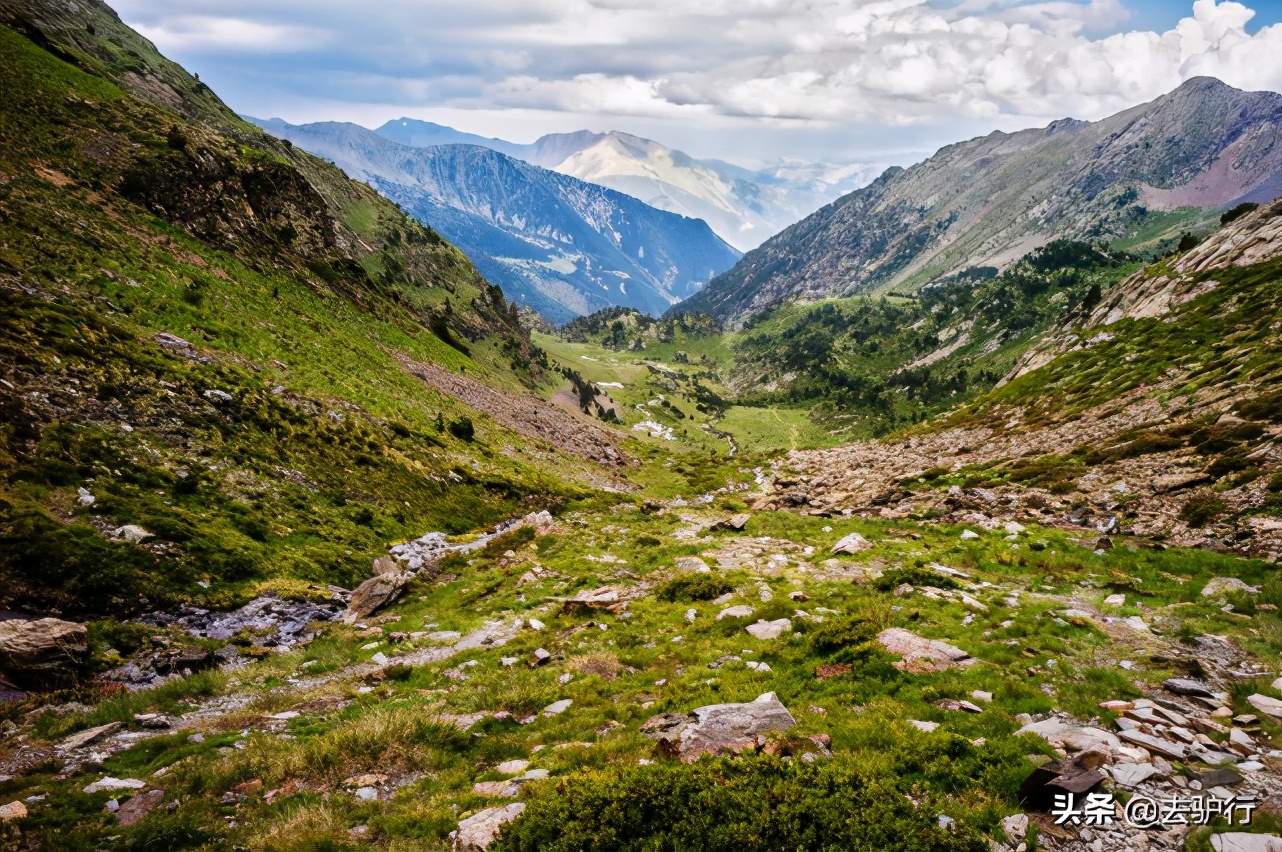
41,648
477,832
969,535
1240,841
1221,586
980,695
720,728
542,656
1015,826
375,593
765,630
1077,775
740,611
366,794
605,599
11,811
734,522
924,727
131,533
1070,737
84,738
920,655
1188,686
512,767
852,544
1266,705
1115,600
110,783
535,624
556,708
1156,745
798,596
1132,774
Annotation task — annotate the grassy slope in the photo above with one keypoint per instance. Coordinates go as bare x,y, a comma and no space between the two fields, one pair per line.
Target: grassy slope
328,448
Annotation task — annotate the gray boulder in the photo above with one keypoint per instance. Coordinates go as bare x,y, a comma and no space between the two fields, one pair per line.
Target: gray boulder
720,728
922,655
853,543
41,648
477,832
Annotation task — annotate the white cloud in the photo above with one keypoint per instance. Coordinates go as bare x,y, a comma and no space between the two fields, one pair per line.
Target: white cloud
773,63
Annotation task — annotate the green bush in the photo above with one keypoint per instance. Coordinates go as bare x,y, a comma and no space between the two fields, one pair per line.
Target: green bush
693,587
738,804
913,576
1201,510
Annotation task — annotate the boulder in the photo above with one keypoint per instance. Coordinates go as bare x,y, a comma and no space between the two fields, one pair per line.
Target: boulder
852,544
41,648
922,655
138,806
1220,586
606,598
720,728
375,593
477,832
1266,705
740,611
770,629
734,522
1188,686
1070,737
1077,775
84,738
13,810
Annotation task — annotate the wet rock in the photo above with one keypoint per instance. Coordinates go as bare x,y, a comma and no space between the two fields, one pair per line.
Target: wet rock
375,593
922,655
765,630
138,806
42,649
720,728
852,544
477,832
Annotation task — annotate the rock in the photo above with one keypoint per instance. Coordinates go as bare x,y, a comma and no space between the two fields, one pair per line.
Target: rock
1240,841
477,832
384,565
542,656
1220,586
366,794
11,811
734,522
798,596
556,708
1076,775
110,783
84,738
1014,527
1015,827
924,727
720,728
740,611
375,593
922,655
1155,745
980,695
1188,686
131,533
215,395
535,624
692,563
852,544
606,598
1266,705
85,498
770,629
1131,774
1071,737
41,648
512,767
503,789
139,805
969,535
1115,600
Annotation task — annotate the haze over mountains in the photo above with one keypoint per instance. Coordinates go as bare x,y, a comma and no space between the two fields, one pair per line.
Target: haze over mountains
559,245
1144,173
744,206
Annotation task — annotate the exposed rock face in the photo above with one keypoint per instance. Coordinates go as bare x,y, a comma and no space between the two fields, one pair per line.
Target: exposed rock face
375,593
720,728
477,832
973,203
43,648
922,655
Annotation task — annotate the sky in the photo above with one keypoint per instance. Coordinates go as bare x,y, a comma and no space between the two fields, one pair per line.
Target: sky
750,81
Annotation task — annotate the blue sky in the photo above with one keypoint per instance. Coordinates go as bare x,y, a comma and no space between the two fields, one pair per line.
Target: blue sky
747,80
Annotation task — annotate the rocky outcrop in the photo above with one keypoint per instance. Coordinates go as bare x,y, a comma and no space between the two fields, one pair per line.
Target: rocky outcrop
477,832
922,655
720,728
46,648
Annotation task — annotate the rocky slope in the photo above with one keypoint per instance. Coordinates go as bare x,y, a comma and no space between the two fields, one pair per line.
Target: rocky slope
556,244
990,200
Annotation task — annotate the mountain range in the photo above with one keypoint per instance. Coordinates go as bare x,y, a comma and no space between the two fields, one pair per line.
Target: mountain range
743,205
1143,174
559,245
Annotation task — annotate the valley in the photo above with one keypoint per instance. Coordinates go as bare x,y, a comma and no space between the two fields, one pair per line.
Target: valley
311,538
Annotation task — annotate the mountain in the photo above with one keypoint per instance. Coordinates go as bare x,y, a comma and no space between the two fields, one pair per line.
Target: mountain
1143,173
561,246
743,206
223,363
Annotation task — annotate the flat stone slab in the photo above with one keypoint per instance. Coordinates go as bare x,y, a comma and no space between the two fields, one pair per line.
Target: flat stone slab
1266,705
1071,737
770,629
91,735
922,655
477,832
110,783
740,611
1240,841
1174,751
556,708
720,728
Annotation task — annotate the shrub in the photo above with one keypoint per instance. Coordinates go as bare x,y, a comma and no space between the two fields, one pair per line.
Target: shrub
1200,510
693,587
756,803
462,429
1238,212
913,576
